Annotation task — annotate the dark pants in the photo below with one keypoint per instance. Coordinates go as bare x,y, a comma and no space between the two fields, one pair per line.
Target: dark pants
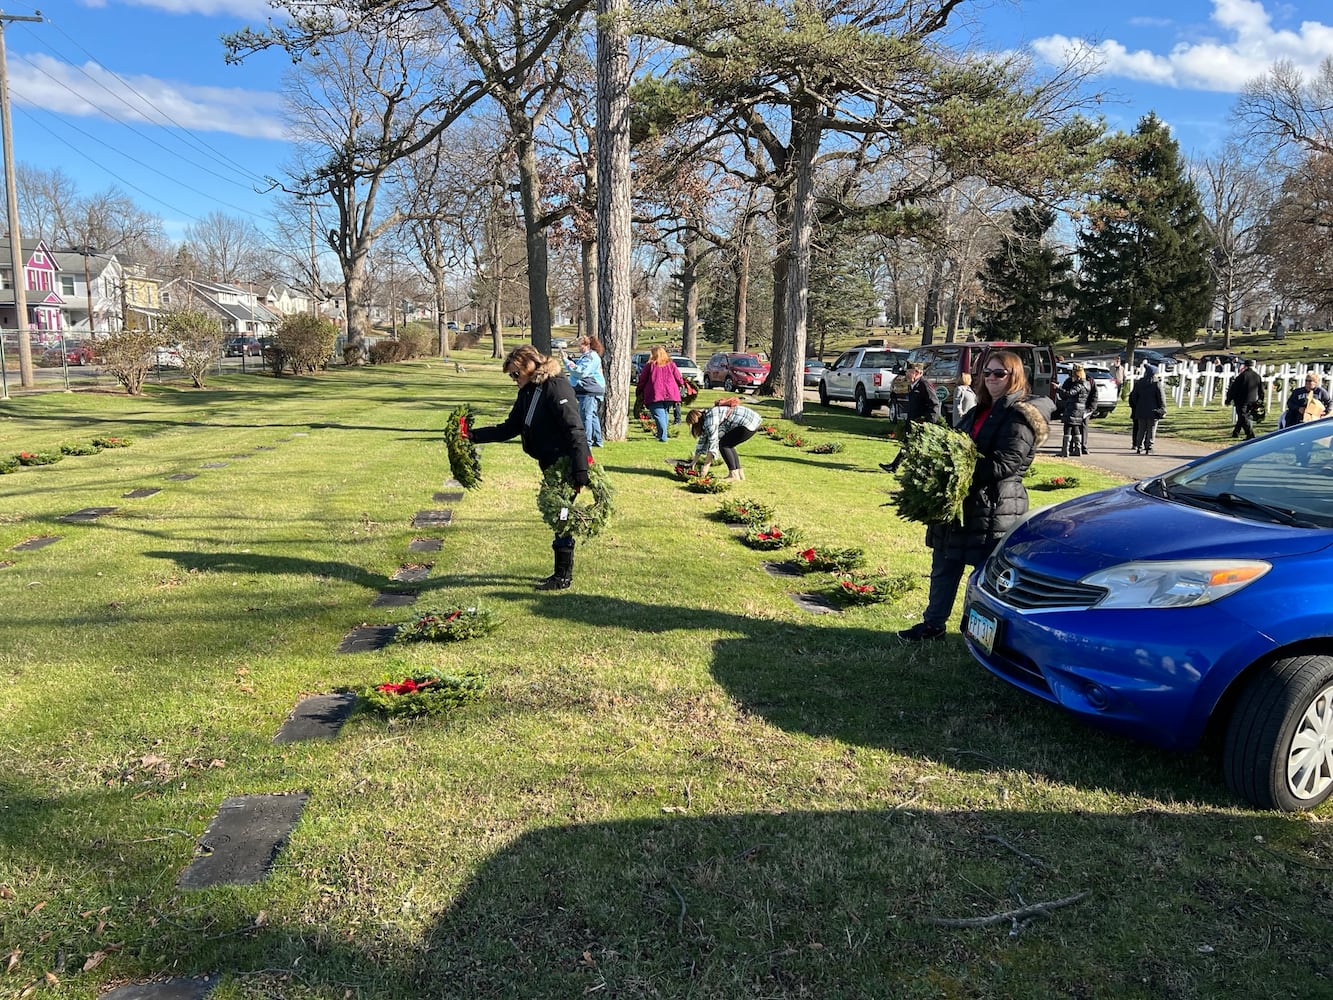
946,574
727,443
1244,422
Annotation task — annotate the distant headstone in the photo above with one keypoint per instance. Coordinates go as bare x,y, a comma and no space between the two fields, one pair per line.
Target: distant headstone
412,574
784,568
451,484
424,545
367,638
393,599
32,544
318,717
245,836
213,465
448,496
433,519
816,604
170,989
139,494
181,477
87,514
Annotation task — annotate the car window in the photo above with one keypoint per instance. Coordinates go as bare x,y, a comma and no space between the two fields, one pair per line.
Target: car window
748,362
845,359
944,364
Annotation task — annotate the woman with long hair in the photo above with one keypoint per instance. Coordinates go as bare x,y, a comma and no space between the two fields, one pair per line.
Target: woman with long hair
1007,430
720,428
660,382
589,381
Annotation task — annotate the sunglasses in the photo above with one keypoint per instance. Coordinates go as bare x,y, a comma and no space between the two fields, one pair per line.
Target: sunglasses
513,375
996,373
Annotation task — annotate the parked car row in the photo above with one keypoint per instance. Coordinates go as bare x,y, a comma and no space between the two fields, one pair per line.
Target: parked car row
1108,392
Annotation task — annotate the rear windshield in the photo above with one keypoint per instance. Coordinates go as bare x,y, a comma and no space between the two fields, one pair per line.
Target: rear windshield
877,359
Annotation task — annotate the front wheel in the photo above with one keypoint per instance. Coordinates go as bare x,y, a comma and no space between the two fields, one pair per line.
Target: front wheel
1279,743
823,393
863,404
728,384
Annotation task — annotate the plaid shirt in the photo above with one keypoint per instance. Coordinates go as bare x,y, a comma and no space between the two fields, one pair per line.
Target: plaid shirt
718,420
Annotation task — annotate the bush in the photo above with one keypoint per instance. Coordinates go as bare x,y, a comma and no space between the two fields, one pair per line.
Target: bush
306,342
417,339
129,355
386,352
198,338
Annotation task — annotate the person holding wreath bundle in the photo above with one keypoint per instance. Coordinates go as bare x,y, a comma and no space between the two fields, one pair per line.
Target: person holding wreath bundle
1007,431
923,406
545,417
720,429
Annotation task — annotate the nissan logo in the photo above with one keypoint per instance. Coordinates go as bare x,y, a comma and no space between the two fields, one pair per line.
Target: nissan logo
1006,581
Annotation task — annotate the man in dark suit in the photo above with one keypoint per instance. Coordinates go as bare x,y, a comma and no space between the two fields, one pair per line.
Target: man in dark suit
1243,394
923,407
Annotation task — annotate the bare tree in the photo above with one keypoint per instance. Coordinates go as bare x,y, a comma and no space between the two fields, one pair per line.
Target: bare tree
1284,108
227,248
1236,197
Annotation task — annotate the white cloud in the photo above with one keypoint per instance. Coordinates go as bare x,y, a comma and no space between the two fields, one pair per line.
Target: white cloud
91,91
1248,46
260,9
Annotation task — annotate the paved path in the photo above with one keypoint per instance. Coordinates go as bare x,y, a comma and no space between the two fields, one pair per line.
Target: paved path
1114,452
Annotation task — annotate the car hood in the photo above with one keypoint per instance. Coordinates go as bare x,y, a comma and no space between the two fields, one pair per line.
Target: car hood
1113,526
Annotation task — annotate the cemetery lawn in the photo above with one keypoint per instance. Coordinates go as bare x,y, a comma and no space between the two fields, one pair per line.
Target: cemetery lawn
678,783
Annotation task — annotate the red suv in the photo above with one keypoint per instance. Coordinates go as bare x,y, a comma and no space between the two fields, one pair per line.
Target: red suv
734,372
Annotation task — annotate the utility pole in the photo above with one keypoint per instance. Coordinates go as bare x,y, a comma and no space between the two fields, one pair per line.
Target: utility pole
11,193
315,290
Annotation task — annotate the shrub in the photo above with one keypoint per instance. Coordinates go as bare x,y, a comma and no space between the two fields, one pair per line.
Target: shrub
416,339
306,342
198,338
386,352
129,355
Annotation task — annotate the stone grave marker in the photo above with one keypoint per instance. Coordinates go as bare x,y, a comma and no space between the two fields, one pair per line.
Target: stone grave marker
240,454
318,717
424,545
32,544
87,514
141,492
393,599
816,604
412,573
451,484
448,496
367,638
181,477
169,989
783,568
433,519
213,465
245,836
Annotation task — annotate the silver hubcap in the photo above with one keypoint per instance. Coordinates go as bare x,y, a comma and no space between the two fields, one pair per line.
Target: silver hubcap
1310,756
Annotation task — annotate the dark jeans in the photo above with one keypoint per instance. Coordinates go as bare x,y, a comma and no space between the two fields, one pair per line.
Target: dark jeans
1244,422
946,573
727,443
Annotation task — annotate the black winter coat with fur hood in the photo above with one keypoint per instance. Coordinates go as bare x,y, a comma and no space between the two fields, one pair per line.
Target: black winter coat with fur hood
1007,441
545,416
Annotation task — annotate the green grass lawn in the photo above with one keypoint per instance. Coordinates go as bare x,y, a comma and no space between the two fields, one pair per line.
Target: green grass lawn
679,784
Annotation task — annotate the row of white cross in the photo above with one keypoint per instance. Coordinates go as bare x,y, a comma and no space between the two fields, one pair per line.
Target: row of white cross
1192,384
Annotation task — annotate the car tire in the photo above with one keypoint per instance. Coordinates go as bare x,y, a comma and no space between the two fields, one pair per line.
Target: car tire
823,393
863,405
728,385
1278,752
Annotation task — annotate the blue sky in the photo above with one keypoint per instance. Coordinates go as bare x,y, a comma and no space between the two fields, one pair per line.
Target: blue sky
135,94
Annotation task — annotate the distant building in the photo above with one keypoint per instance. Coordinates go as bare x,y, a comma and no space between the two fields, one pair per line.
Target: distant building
45,305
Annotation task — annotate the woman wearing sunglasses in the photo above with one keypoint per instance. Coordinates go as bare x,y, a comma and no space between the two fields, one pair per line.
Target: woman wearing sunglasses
545,417
1007,430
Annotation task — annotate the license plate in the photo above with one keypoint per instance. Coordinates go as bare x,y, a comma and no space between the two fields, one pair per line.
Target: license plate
982,629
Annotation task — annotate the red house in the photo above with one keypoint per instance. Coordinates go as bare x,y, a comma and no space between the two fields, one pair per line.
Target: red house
45,305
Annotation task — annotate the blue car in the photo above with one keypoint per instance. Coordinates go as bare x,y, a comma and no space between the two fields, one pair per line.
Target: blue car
1193,605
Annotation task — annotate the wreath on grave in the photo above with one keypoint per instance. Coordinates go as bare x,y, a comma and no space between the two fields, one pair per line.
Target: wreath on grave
449,625
113,442
936,475
826,448
9,464
78,448
464,461
745,512
873,588
772,536
420,694
707,484
829,560
581,515
39,457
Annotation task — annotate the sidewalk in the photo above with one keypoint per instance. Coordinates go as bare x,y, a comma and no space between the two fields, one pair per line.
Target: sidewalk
1114,452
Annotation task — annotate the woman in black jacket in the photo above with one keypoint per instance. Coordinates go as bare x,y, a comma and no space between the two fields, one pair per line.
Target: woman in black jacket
545,417
1007,430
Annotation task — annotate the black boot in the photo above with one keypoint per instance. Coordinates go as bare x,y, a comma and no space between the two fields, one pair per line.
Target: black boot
563,576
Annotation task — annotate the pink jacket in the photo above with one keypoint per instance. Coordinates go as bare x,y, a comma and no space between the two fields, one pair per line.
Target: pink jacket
660,383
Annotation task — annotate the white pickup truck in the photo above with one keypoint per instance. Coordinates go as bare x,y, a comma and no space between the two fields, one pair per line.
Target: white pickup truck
863,376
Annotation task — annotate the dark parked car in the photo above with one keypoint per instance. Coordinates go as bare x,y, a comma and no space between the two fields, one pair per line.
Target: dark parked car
244,347
1183,609
1150,356
734,372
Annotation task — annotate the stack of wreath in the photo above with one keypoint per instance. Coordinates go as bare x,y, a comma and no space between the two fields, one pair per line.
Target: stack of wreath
936,475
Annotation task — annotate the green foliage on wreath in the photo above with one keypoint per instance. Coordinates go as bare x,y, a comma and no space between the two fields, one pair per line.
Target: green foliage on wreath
707,484
39,457
450,625
78,448
746,511
685,471
9,464
771,536
826,559
1059,483
792,440
426,694
582,516
873,588
113,442
936,475
826,448
464,462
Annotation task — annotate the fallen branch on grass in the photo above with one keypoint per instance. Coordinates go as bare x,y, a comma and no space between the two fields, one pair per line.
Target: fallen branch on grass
1023,913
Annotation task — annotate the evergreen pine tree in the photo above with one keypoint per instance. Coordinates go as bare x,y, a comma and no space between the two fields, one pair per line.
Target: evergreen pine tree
1026,282
1144,253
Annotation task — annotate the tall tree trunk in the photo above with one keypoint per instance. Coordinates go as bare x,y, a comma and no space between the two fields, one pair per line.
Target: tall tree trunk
931,315
741,272
615,310
689,294
497,328
534,235
782,223
790,370
588,265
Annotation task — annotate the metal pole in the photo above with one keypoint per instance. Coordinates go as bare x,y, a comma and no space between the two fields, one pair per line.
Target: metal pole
26,378
4,369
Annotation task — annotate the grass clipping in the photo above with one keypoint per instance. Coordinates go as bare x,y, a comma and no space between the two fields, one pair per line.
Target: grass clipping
936,475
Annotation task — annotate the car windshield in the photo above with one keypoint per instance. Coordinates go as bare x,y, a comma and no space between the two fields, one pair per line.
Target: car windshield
747,363
1284,478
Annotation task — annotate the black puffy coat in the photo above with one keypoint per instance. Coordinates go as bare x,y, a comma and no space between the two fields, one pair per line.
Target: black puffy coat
546,418
1007,441
1077,397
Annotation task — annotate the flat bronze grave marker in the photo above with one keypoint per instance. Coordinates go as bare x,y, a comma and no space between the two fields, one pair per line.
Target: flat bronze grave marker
87,514
32,544
393,599
816,604
412,574
181,477
448,496
139,494
424,545
367,638
784,568
433,519
240,454
318,717
213,465
170,989
245,836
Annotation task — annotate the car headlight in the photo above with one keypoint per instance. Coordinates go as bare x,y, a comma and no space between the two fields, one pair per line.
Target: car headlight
1182,584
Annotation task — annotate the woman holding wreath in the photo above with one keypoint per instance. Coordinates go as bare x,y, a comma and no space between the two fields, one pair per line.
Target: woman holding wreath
1007,431
545,417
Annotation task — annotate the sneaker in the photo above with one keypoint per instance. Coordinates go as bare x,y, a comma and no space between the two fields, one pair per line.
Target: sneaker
921,632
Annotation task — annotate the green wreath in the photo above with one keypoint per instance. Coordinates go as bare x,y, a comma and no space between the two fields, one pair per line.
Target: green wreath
450,625
937,473
464,462
581,516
